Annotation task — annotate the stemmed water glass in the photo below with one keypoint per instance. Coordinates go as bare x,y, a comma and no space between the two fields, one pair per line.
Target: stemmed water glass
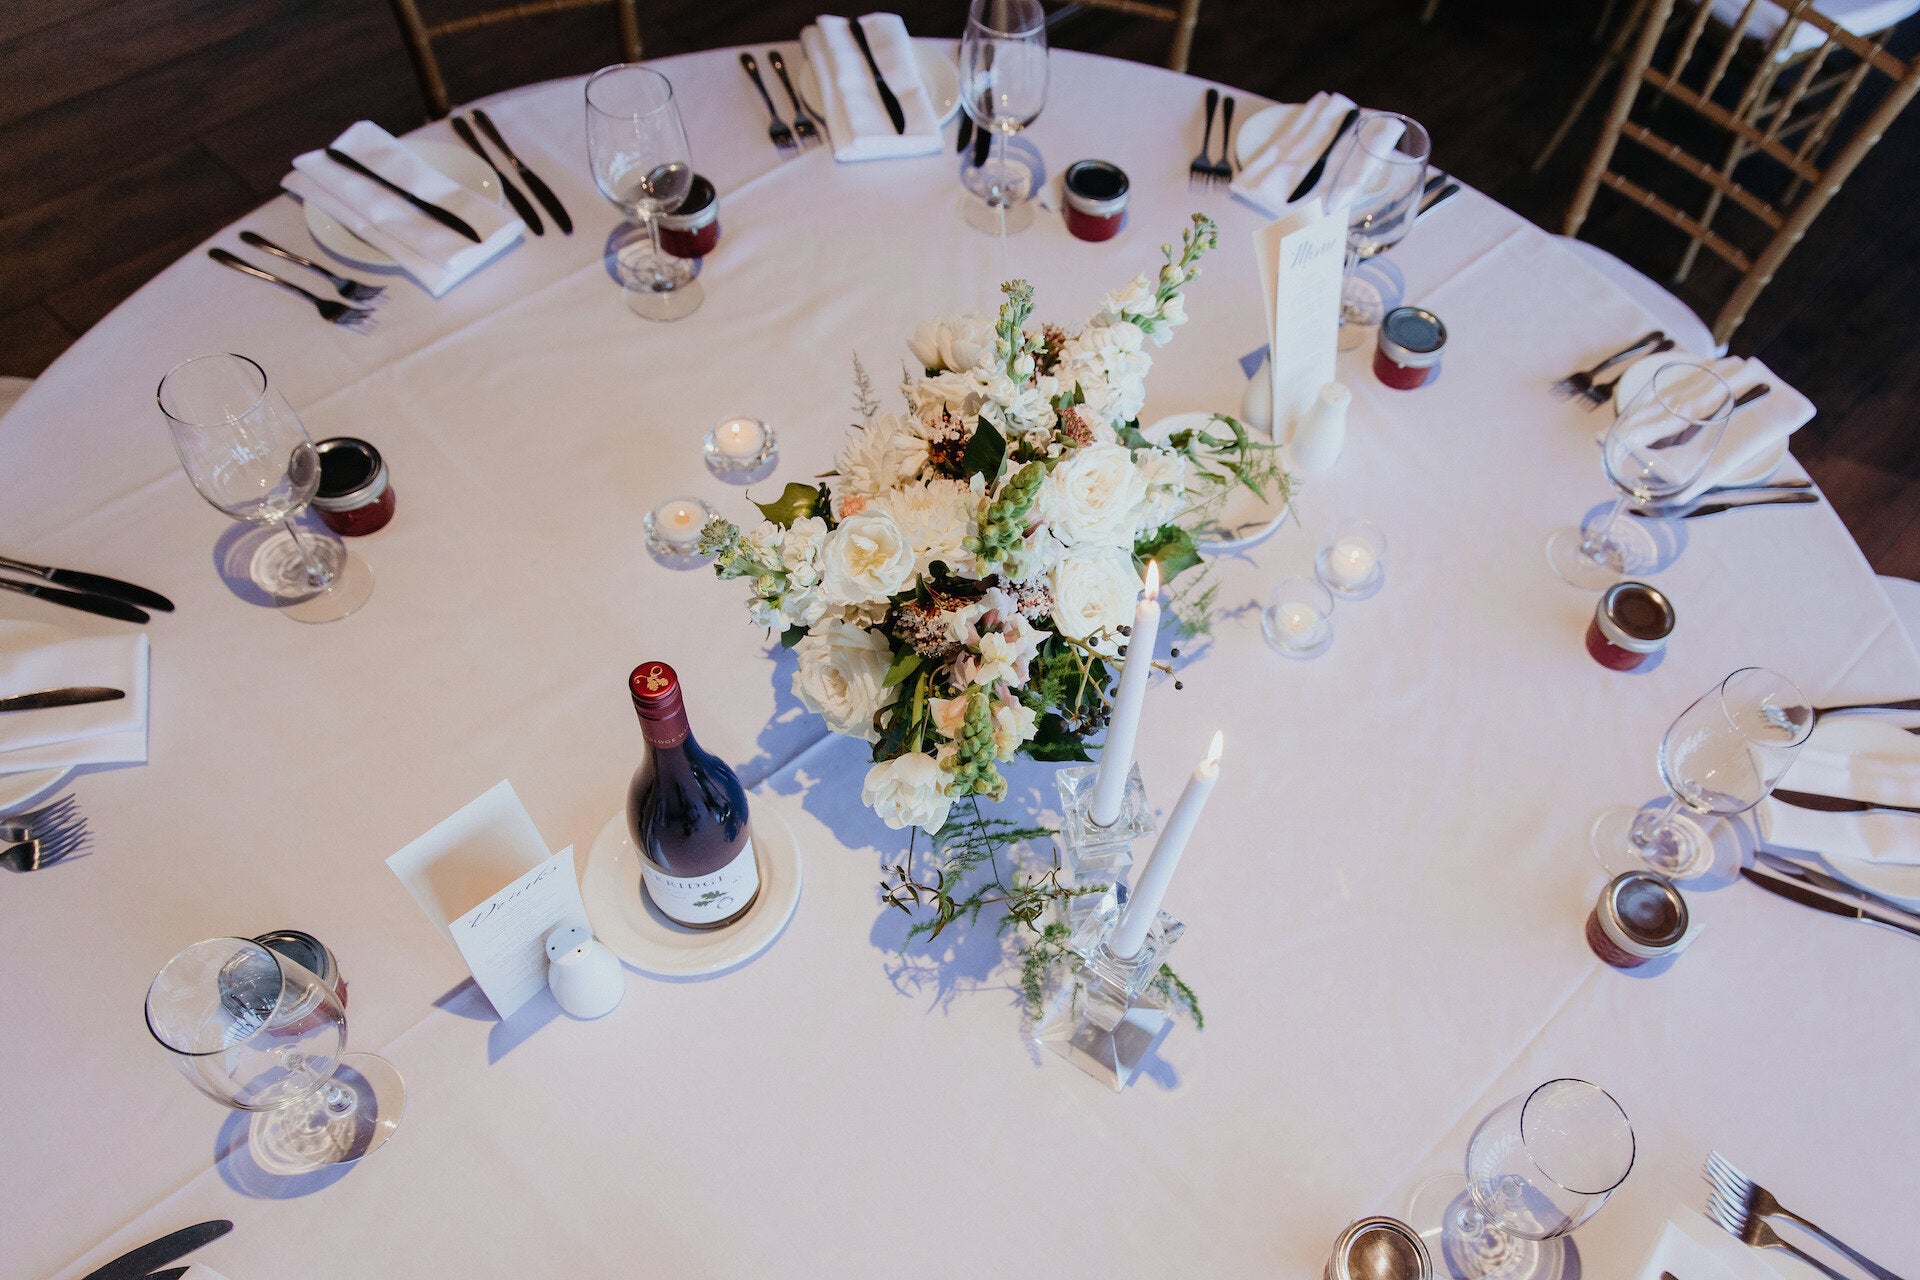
1003,85
1721,756
1379,173
256,1031
1538,1166
1656,449
249,455
637,147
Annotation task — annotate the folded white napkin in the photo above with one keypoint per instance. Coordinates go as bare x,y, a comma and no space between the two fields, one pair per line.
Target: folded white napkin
857,122
435,255
96,733
1752,430
1693,1248
1889,776
1268,179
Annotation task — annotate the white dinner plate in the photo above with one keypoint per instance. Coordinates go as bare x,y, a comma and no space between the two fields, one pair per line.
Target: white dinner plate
1243,520
458,163
634,929
1868,735
18,790
1641,371
939,73
1261,128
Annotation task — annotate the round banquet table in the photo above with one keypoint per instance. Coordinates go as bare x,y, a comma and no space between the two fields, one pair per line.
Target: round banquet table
1385,900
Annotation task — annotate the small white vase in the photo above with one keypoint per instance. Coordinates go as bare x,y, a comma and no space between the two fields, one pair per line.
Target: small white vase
584,976
1322,434
1256,402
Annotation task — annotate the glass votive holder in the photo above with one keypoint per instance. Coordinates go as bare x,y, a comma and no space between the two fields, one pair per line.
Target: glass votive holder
1298,619
693,228
673,528
1352,559
739,444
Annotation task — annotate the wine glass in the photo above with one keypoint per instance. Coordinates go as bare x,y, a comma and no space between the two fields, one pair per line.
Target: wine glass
637,146
256,1031
249,455
1656,449
1538,1166
1003,79
1379,174
1721,756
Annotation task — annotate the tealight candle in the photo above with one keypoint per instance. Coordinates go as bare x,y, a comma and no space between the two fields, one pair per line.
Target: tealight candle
739,438
1297,619
1352,559
1350,563
673,527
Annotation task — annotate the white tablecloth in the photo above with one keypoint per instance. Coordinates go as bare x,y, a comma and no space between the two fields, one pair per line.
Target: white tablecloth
1385,906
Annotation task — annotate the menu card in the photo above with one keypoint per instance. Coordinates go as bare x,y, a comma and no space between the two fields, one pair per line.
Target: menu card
1301,257
485,877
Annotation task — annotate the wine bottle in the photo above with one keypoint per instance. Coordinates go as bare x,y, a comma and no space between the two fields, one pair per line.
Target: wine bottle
687,814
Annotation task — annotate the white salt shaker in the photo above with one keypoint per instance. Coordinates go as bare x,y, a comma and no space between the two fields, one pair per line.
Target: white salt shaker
1256,402
585,977
1322,433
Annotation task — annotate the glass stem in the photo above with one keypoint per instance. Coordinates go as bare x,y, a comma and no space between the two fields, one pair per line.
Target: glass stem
1594,545
1647,830
653,234
998,189
317,575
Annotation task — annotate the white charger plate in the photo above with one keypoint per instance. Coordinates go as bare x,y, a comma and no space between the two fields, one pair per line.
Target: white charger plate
458,163
938,73
1868,735
18,790
1259,129
1641,371
1243,520
630,925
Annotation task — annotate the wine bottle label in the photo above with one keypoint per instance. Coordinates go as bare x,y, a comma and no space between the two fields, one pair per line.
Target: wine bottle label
704,899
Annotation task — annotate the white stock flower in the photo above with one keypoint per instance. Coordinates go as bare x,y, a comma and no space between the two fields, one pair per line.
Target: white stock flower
959,393
949,714
908,791
938,516
1094,498
841,677
1094,590
1108,364
877,457
954,343
1165,473
1032,556
1013,724
801,543
762,542
865,560
1132,299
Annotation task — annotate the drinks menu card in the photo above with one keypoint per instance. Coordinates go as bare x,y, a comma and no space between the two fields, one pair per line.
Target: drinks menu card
485,877
1300,257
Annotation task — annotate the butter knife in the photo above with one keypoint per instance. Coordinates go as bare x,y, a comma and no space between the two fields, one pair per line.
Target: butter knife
452,221
99,584
887,100
138,1263
1320,165
521,205
1835,804
541,191
73,697
1821,900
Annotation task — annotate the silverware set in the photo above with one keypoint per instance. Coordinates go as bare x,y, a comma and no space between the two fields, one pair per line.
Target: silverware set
332,310
790,140
351,290
43,837
1580,384
140,1263
1742,1208
1205,171
1439,188
90,592
1809,886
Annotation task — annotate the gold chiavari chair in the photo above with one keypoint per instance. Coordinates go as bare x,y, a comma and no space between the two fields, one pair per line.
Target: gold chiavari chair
1185,16
420,37
1793,129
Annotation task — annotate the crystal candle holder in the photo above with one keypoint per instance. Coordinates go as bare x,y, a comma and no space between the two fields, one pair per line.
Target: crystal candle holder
1352,559
1297,619
740,445
1105,1019
1088,847
673,530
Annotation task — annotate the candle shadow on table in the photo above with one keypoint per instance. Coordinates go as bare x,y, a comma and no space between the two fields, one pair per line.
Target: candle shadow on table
466,1000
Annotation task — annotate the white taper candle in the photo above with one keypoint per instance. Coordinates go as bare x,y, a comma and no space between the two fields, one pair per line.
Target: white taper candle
1143,904
1116,754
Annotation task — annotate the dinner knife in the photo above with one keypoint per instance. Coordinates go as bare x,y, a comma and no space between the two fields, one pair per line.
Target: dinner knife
1835,804
443,217
1715,508
1434,201
1320,165
982,144
1820,900
136,1264
541,191
966,133
102,605
99,584
887,100
521,205
1832,883
73,697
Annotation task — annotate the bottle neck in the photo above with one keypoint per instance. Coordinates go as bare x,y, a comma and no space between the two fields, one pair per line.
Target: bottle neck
669,730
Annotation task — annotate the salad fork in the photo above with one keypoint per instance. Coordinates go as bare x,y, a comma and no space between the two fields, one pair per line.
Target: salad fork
359,319
1754,1202
1598,393
781,135
44,851
351,290
1201,171
1223,168
24,826
802,122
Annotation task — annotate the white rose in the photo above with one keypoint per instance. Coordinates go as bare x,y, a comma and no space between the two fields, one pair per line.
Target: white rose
908,792
1094,589
841,676
865,560
1095,497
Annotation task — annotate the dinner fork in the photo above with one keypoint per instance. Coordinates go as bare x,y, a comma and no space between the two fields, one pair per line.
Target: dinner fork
802,122
1201,171
1223,168
358,319
44,851
778,131
1576,384
1742,1208
351,290
24,826
1598,393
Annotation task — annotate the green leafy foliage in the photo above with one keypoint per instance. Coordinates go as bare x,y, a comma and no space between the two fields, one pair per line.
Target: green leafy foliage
796,502
985,452
1171,548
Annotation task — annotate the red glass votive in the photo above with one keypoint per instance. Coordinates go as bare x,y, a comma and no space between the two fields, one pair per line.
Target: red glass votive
1410,345
1096,203
1630,626
693,228
1640,917
355,495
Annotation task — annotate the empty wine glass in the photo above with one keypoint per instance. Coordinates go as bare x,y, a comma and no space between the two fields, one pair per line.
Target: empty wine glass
1379,172
1003,79
256,1031
637,147
1655,450
1721,756
1538,1166
249,455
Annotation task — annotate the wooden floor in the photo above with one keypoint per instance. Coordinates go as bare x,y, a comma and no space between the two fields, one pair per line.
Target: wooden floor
132,129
